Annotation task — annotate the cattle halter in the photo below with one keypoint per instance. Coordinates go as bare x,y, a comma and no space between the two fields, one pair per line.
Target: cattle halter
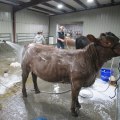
114,48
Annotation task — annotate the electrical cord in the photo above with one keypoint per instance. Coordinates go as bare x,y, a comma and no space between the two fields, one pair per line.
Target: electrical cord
55,92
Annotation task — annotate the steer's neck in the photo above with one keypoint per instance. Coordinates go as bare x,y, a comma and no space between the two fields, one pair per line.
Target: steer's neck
92,57
103,55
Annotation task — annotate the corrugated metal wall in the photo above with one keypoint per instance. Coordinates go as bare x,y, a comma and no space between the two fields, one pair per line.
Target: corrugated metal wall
5,22
31,22
27,22
5,19
94,21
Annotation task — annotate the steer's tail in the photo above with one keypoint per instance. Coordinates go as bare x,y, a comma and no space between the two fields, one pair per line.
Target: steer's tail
23,52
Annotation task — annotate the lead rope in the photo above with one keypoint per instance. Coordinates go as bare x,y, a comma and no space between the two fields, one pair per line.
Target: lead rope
110,75
112,64
116,80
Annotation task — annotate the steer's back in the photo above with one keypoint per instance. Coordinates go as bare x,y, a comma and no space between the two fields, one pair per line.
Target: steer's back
49,63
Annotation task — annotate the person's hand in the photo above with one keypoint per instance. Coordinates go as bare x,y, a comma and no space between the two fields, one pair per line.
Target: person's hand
62,40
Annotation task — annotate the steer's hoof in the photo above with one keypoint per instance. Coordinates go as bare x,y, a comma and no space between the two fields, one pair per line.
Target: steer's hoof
24,94
37,91
75,114
78,106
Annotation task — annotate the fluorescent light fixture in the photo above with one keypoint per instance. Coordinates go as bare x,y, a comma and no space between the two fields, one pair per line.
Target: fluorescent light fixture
90,1
60,6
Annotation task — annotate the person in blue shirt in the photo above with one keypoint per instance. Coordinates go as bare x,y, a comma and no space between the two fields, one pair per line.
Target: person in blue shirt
60,38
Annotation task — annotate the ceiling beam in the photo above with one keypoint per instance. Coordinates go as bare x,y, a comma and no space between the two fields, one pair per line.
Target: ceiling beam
29,4
16,1
97,3
92,8
51,6
6,3
38,11
65,4
81,3
20,2
12,2
43,9
112,1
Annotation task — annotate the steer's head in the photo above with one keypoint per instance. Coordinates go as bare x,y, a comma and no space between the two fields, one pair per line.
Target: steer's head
109,41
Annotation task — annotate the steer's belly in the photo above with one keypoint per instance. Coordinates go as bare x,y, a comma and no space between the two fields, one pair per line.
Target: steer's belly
51,71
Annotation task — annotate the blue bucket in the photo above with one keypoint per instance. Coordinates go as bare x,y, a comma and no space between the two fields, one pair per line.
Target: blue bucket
41,118
105,74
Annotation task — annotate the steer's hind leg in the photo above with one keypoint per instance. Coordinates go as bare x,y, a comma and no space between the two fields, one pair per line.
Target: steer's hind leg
78,105
24,79
75,91
34,78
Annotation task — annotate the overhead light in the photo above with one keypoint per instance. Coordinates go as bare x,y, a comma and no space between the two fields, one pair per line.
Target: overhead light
60,6
89,1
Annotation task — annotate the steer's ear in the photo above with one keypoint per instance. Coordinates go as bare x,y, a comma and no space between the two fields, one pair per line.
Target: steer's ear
91,38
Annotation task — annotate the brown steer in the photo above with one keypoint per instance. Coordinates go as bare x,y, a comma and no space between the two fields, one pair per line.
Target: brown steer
78,67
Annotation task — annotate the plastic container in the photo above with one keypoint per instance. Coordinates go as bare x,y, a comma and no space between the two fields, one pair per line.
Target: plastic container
41,118
105,74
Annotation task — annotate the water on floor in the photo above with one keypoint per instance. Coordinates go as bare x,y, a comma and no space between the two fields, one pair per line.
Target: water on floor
98,106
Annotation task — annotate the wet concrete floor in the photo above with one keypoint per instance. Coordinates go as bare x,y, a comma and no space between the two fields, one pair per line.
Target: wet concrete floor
53,107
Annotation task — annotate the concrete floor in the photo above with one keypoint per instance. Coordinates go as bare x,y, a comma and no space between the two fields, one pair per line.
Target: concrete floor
54,107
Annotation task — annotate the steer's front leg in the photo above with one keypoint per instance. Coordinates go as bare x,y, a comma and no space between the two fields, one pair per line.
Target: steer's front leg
75,91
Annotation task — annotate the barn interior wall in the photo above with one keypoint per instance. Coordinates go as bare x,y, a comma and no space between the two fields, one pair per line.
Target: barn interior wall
94,21
31,22
27,21
5,19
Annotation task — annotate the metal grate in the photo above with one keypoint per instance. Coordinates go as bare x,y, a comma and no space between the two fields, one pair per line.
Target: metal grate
25,37
5,36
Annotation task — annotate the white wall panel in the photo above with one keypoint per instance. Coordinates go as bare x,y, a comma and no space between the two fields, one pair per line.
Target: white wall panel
5,19
31,22
94,21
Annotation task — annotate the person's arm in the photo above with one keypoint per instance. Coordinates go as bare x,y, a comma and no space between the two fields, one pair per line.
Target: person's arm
62,40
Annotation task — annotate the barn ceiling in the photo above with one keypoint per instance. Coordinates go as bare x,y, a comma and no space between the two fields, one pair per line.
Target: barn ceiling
49,7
